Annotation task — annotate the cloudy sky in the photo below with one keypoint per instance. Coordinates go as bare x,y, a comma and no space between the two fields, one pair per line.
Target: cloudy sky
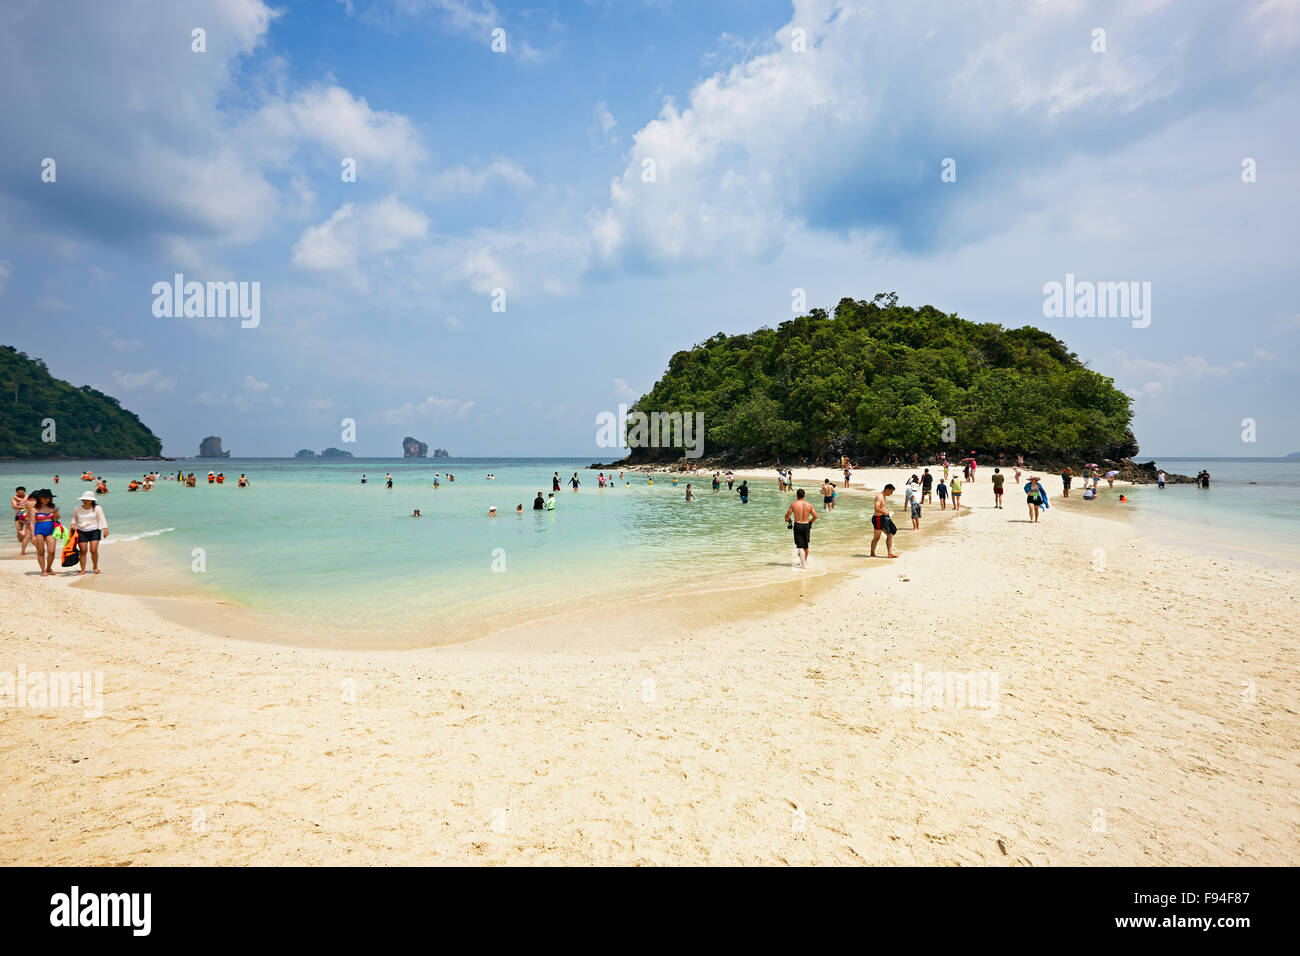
634,177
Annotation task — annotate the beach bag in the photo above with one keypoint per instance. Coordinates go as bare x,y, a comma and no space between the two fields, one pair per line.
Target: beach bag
71,551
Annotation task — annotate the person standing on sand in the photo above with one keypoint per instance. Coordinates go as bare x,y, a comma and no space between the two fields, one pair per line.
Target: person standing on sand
800,516
19,504
1036,496
42,516
88,518
955,487
927,482
998,479
942,491
1065,482
882,523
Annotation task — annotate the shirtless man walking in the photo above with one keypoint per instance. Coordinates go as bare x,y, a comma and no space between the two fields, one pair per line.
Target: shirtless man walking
803,514
880,522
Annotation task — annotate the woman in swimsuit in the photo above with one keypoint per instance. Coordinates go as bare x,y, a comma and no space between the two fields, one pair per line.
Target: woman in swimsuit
43,516
1034,498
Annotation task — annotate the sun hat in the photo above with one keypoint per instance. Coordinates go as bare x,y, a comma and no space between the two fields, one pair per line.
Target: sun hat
88,496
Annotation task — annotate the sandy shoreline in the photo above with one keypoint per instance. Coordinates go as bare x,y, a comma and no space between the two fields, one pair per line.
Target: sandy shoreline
1145,713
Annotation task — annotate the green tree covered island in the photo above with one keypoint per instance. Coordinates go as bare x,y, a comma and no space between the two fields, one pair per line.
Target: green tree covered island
86,423
878,379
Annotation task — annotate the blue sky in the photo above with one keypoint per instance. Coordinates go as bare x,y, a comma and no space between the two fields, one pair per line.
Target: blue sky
783,160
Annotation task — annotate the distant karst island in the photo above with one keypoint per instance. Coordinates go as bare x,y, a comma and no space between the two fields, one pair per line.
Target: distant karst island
210,447
330,452
46,417
414,448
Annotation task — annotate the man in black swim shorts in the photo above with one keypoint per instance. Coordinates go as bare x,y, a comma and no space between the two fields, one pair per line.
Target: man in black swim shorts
800,516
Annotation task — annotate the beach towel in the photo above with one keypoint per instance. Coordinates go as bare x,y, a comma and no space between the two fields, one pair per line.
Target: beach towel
1042,492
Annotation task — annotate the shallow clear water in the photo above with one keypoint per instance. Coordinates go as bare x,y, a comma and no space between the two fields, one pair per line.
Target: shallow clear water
1253,501
307,539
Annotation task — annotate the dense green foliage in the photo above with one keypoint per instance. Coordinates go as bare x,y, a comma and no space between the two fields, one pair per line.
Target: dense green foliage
879,379
87,423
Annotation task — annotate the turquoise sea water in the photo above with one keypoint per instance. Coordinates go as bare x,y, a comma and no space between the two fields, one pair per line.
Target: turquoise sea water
1252,502
308,540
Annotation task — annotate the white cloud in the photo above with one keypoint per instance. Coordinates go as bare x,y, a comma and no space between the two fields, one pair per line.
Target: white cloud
832,138
453,324
623,390
355,233
342,123
463,180
119,344
253,385
152,379
431,407
604,123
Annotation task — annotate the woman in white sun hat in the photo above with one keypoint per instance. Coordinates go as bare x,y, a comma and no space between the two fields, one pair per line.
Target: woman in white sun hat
88,518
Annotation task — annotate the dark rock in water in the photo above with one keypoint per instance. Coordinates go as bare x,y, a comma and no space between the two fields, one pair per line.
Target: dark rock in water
411,448
210,447
305,453
333,452
441,453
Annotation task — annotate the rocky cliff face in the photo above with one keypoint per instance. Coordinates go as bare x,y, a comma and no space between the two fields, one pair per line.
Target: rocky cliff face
414,449
210,447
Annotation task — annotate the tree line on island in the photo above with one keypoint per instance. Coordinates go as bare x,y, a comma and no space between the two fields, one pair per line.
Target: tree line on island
46,417
878,379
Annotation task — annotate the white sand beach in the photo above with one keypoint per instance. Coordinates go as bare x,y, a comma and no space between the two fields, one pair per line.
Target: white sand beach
1140,708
